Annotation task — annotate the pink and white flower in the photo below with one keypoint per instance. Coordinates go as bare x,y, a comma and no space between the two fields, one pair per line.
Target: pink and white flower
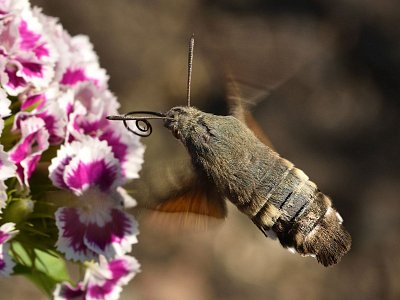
102,281
27,56
87,164
95,224
7,232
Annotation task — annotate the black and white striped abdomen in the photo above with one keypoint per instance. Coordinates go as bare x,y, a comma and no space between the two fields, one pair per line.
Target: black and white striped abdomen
290,206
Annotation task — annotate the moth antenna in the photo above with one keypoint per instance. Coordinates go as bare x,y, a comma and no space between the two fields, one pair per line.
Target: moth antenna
190,67
143,126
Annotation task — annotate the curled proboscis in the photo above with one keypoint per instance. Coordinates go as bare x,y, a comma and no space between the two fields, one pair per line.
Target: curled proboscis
142,126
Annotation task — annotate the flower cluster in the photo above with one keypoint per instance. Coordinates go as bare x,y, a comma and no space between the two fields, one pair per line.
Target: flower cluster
54,99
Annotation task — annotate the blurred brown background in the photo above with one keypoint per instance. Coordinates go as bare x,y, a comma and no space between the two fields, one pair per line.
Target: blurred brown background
333,72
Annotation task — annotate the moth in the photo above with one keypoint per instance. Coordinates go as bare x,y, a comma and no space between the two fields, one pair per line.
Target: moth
234,163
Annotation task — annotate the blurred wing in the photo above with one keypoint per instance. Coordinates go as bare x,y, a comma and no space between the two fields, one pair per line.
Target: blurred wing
239,108
196,198
192,203
260,56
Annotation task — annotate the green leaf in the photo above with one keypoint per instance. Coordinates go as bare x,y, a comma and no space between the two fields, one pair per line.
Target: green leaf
44,269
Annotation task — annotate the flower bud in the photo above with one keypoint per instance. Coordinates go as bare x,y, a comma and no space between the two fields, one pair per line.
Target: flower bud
18,210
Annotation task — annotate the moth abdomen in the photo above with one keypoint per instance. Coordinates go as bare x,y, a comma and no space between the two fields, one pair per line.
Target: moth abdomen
301,217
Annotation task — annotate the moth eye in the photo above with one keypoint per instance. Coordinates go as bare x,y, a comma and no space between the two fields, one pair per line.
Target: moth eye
175,114
176,133
177,110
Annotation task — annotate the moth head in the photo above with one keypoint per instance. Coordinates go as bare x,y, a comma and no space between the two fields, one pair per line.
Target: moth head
180,120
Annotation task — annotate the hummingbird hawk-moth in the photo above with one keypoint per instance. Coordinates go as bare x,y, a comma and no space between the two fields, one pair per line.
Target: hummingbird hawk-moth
233,162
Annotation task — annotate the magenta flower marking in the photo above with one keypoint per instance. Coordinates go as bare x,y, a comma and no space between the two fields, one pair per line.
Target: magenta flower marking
71,235
95,173
115,237
71,77
14,83
30,69
26,154
30,41
37,100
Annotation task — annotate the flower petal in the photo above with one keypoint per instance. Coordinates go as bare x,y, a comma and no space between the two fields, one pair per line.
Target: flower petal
104,281
7,232
58,164
4,105
64,291
83,233
115,237
71,235
82,63
93,166
123,198
126,148
84,164
3,195
12,6
6,263
26,154
7,167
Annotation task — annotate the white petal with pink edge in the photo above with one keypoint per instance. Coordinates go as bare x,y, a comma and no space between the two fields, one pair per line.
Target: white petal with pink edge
94,165
127,148
84,232
105,280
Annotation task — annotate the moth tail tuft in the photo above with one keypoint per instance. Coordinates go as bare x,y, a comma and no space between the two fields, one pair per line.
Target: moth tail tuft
329,241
